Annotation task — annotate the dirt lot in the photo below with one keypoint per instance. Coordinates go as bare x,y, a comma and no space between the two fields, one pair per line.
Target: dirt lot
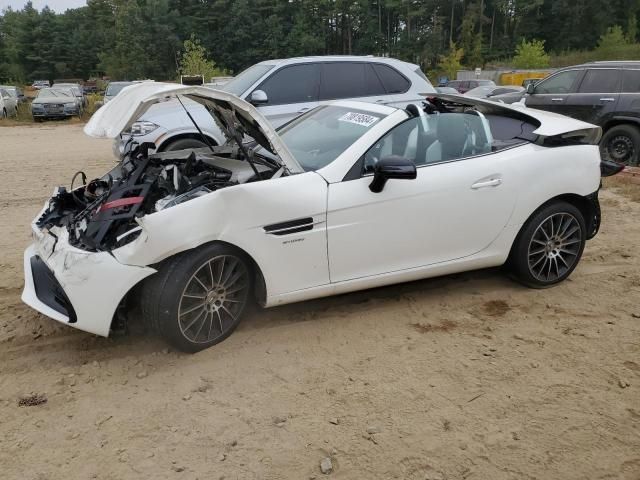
464,377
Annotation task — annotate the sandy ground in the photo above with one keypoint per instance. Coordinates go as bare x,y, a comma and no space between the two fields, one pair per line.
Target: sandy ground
465,377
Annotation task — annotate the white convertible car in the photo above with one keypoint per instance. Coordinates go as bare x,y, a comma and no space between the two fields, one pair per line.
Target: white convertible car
346,197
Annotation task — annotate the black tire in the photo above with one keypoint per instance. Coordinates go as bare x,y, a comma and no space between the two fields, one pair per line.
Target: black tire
189,316
549,246
183,144
621,144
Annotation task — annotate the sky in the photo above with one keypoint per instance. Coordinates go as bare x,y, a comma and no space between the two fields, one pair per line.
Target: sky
56,5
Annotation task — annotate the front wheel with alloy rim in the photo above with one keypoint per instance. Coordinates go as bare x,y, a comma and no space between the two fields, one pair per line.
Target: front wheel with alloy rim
197,298
621,144
549,246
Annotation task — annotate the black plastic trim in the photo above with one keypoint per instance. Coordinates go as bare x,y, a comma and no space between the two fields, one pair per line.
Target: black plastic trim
48,289
595,215
290,226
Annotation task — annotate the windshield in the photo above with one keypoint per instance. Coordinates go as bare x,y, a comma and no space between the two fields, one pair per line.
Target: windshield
114,88
10,90
240,83
318,138
50,93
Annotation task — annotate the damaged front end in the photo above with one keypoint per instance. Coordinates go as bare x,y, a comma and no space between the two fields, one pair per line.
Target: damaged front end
102,215
73,272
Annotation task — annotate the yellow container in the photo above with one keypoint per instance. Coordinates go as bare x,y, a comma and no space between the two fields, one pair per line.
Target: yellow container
516,78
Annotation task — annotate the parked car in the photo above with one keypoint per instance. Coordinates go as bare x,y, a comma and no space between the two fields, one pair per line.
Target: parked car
463,86
55,103
90,86
114,89
15,92
449,90
489,91
76,88
603,93
38,84
8,104
343,198
282,90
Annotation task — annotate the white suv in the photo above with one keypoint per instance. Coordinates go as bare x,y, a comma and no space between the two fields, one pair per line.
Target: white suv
282,90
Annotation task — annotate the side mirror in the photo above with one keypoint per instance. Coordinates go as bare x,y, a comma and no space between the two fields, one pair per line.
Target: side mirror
258,97
531,88
393,167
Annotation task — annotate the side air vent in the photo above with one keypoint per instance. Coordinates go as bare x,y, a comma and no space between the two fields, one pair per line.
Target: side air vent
289,227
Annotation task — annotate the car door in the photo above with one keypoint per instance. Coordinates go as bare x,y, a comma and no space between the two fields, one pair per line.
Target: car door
597,96
291,91
352,80
457,206
629,99
552,93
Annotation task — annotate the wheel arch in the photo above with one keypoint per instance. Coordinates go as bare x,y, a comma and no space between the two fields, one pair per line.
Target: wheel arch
183,136
260,287
621,120
588,206
128,302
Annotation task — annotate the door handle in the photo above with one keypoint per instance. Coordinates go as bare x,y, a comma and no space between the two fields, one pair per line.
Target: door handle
494,182
303,110
607,99
557,99
380,100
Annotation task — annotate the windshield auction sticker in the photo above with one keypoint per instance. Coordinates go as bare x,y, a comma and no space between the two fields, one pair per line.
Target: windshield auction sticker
359,119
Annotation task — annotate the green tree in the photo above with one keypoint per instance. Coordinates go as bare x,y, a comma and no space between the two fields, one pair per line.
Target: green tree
612,39
531,55
450,63
193,61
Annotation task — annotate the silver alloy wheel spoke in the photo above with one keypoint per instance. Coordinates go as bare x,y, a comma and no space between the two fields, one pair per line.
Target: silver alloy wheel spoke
193,309
213,282
227,295
198,297
194,320
560,235
201,284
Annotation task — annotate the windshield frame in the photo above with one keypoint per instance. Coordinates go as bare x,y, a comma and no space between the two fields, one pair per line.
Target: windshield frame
246,79
53,93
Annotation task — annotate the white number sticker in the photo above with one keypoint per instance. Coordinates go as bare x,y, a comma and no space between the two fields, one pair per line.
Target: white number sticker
359,119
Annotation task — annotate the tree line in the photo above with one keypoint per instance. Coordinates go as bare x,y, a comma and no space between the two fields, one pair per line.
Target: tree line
135,39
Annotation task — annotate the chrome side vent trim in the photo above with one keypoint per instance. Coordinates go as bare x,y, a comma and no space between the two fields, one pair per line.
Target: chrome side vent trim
289,227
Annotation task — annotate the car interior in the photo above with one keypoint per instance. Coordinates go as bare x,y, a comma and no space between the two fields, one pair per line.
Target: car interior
441,137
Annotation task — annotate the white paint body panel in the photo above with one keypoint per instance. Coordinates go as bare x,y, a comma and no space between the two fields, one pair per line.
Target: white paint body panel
434,225
94,282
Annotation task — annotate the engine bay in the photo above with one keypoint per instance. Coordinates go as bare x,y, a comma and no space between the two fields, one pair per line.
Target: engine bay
100,215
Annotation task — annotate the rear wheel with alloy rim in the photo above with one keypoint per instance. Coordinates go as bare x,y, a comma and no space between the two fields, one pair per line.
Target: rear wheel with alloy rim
621,144
549,246
197,298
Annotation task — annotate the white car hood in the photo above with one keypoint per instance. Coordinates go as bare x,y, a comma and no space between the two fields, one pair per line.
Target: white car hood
132,102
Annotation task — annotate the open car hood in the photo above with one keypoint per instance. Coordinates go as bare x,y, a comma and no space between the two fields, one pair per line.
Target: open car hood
551,124
235,117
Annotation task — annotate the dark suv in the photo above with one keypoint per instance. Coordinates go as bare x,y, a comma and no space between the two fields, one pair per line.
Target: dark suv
603,93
